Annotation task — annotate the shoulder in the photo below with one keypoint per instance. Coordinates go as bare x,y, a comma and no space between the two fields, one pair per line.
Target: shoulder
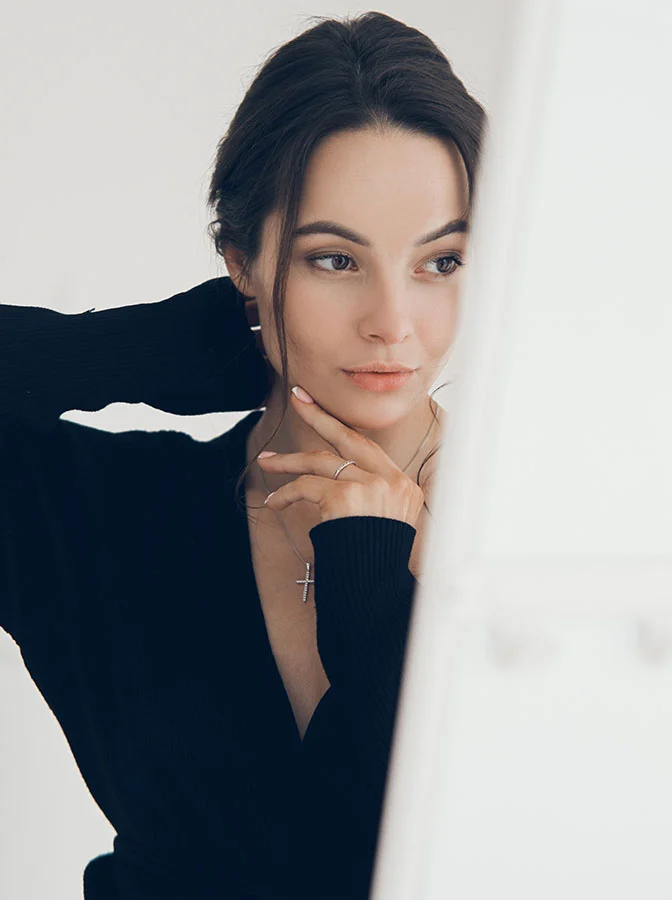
123,467
137,445
139,454
118,467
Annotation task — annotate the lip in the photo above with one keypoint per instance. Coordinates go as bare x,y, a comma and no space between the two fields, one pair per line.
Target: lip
381,368
375,381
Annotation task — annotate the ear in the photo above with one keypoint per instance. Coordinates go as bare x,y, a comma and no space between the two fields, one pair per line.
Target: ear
234,259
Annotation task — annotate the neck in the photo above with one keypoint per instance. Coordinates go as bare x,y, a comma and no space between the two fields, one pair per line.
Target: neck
399,441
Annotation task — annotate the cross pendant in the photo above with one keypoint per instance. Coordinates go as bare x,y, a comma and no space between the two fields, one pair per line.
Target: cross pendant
305,582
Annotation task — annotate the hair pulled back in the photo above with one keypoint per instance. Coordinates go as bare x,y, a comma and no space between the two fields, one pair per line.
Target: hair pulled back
367,71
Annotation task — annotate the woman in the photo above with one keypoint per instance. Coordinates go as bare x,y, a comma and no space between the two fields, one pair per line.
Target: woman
228,682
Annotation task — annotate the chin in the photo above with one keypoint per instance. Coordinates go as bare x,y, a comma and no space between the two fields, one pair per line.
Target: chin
371,413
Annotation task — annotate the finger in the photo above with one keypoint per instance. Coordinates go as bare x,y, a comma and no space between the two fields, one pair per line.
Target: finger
314,462
347,442
312,488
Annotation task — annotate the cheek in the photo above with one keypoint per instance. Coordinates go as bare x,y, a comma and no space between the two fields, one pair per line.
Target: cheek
316,326
304,325
317,341
438,331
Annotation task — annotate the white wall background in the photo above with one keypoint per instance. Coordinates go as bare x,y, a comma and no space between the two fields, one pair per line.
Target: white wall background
109,119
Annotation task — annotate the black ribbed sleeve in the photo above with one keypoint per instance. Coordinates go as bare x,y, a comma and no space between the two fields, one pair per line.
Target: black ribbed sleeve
364,594
190,354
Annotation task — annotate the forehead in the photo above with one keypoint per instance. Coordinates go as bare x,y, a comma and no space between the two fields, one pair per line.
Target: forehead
367,177
388,185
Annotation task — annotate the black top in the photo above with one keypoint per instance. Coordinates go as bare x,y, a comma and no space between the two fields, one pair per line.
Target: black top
126,580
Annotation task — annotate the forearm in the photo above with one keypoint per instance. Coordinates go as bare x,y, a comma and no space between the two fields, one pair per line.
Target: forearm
189,354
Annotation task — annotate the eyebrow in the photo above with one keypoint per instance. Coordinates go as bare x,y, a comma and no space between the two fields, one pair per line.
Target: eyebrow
324,226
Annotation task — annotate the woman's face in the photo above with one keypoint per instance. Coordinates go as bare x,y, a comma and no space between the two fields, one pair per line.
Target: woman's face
382,291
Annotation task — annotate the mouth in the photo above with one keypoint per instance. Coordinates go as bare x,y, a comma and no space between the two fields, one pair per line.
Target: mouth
380,381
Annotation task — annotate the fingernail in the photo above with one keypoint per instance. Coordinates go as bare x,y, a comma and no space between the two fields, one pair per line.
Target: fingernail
301,394
269,497
265,453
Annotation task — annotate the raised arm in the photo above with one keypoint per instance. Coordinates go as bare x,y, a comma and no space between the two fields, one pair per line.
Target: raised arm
192,353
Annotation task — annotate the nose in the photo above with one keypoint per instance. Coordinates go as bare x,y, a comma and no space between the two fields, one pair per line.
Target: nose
386,312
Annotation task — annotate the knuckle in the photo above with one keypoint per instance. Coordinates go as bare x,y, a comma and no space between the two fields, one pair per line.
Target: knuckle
380,484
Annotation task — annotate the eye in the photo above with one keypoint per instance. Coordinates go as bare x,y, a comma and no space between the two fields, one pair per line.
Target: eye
339,257
452,258
341,261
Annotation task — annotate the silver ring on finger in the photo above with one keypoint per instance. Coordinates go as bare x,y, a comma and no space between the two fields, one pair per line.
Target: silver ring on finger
348,462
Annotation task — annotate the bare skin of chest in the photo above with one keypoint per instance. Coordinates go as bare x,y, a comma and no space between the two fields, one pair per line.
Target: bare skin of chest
291,623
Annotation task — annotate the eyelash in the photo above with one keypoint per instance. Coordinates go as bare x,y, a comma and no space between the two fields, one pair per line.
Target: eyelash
456,258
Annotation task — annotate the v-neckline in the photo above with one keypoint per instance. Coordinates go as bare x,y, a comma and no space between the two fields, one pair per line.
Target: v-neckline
238,459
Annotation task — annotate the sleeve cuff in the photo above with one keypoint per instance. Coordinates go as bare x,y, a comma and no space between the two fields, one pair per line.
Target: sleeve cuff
361,574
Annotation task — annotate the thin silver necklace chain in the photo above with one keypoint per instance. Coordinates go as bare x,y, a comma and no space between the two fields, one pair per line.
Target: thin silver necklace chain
307,581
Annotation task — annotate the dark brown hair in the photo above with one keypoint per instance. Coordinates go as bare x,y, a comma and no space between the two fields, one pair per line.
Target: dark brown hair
367,71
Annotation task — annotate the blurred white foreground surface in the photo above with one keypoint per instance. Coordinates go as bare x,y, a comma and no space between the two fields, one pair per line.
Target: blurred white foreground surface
533,755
